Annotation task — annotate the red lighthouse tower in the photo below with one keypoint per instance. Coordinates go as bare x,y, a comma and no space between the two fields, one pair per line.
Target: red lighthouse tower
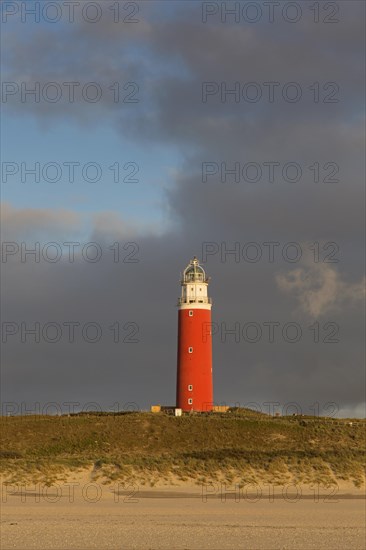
194,376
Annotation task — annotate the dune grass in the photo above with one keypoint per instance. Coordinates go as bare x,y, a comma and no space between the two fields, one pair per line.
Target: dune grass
144,447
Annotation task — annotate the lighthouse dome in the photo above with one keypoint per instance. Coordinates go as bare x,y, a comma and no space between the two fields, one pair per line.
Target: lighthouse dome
194,272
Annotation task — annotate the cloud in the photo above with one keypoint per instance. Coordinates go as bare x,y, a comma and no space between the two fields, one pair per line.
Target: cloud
353,411
320,290
17,223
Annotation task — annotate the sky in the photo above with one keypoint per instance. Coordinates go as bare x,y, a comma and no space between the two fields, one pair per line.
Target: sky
162,130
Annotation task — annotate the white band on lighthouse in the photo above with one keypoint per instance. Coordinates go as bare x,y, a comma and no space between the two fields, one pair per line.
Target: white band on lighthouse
194,305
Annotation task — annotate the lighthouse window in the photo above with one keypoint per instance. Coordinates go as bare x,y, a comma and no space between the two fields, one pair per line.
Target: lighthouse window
190,313
190,350
190,387
190,401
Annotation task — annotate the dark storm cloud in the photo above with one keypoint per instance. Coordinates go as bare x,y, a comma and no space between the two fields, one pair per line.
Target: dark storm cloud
176,54
170,68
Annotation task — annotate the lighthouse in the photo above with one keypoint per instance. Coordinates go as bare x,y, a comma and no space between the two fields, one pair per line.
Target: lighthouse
194,369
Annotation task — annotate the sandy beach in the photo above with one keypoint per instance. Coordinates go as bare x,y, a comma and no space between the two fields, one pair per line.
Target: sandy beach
81,514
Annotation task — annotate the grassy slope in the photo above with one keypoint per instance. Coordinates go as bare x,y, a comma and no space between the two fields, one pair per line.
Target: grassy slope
146,447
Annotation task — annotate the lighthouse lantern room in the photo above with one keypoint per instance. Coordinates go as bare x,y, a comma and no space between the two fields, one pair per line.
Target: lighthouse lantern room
194,369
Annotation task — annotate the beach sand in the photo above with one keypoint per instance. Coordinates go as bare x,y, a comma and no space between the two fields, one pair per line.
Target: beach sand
88,515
